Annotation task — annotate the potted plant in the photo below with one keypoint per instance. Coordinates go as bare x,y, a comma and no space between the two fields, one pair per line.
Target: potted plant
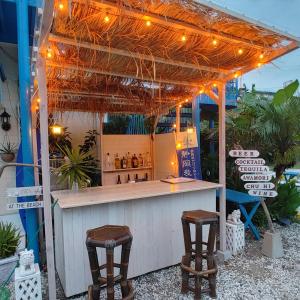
9,241
76,168
7,151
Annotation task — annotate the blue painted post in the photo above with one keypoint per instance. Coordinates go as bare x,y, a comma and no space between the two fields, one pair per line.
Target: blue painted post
211,144
196,122
25,111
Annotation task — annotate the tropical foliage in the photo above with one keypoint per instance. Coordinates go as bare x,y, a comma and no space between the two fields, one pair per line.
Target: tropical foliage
9,239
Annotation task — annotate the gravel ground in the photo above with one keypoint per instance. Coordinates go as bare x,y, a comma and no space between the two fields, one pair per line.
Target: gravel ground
247,276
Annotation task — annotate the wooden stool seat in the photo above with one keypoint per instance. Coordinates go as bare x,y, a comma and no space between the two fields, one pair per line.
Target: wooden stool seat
194,250
109,237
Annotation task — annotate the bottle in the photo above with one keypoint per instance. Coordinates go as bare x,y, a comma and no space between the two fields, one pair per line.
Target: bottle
135,161
124,163
119,180
141,160
107,161
128,178
136,178
117,162
146,177
129,162
147,160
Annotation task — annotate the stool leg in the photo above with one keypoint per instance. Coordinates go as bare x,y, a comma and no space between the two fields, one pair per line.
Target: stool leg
198,260
211,261
186,259
95,270
110,273
124,268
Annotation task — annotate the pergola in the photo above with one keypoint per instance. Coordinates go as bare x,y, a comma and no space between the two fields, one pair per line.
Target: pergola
144,57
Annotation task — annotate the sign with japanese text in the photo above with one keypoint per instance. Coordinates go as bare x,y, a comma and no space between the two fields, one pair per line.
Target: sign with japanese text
243,153
25,205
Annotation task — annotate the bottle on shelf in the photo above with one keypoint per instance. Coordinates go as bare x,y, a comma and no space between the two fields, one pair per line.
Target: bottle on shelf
129,160
141,160
124,163
147,160
108,164
135,161
117,162
119,180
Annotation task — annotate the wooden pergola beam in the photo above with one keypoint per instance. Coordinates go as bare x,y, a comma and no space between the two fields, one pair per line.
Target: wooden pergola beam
121,52
176,24
127,76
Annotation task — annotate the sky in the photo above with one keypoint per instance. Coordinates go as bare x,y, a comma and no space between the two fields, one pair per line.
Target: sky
284,15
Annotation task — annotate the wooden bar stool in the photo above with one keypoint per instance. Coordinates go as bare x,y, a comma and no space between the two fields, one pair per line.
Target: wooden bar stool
199,218
109,237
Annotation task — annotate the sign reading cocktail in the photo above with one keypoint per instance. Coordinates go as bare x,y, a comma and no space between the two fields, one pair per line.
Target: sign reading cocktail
256,172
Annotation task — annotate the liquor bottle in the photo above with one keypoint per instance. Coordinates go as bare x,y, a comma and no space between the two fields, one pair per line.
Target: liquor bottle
107,162
119,180
128,178
147,160
124,163
129,162
141,160
117,162
135,161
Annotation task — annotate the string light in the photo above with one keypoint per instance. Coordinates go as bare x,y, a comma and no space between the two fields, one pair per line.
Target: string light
174,125
259,65
215,42
106,19
180,105
178,146
172,163
148,23
240,51
190,130
61,6
56,129
261,56
36,107
201,91
183,38
186,100
215,85
49,53
236,75
38,100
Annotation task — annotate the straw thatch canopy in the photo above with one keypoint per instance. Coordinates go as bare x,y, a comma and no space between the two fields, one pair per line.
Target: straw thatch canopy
147,56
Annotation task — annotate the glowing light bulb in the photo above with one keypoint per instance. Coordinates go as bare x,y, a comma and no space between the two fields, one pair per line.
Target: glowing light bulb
49,53
259,65
186,100
180,105
174,125
178,146
215,42
106,19
240,51
36,107
172,163
61,6
38,100
148,23
56,129
183,38
201,91
215,85
190,130
261,56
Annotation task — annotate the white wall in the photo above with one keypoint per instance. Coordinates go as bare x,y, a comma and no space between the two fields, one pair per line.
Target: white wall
9,99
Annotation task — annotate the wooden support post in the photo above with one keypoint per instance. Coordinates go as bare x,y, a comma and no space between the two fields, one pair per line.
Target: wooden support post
222,166
42,83
177,119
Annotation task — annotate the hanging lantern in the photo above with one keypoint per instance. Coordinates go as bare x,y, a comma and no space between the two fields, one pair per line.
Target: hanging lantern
57,129
5,120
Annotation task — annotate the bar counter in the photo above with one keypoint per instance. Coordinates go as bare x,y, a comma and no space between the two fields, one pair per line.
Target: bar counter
151,209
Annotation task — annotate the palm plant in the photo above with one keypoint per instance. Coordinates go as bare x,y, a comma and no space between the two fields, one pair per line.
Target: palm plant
9,239
76,167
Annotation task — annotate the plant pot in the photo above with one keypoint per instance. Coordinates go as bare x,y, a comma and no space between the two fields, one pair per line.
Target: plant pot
7,265
7,157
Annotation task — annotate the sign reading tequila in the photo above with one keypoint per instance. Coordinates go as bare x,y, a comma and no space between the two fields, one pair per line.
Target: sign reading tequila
25,205
259,186
243,153
254,169
256,177
263,193
250,162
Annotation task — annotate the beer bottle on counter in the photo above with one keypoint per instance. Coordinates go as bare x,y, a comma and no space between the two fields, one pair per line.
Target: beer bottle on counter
146,177
119,180
128,178
136,178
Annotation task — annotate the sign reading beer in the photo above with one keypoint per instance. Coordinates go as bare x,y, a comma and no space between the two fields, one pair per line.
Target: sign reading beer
263,193
254,169
256,177
243,153
250,162
259,186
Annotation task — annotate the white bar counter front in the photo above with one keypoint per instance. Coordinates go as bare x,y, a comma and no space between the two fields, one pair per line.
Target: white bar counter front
151,209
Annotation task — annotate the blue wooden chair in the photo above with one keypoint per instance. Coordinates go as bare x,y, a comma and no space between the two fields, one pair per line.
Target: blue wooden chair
241,199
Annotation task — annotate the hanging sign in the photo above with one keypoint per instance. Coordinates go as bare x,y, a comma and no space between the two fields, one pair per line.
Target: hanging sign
243,153
254,169
259,186
250,161
25,205
263,193
256,177
24,191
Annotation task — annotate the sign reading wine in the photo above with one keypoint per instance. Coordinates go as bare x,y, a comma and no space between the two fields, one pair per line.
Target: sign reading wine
256,173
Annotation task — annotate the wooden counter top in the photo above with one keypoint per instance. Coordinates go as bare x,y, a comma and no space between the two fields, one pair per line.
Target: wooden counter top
129,191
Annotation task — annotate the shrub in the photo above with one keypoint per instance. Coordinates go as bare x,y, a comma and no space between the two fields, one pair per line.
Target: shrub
9,239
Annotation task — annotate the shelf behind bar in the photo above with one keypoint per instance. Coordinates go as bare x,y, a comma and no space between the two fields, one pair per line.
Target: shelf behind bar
125,170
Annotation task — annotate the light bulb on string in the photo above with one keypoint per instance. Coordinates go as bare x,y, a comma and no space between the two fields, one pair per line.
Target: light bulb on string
38,100
61,6
236,75
183,38
180,105
49,53
214,84
240,51
261,56
214,42
106,18
148,23
259,65
186,100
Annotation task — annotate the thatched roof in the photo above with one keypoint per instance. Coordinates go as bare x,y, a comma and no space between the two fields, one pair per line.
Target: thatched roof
146,56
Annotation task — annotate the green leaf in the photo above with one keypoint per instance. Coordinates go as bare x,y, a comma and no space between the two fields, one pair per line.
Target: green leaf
286,93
